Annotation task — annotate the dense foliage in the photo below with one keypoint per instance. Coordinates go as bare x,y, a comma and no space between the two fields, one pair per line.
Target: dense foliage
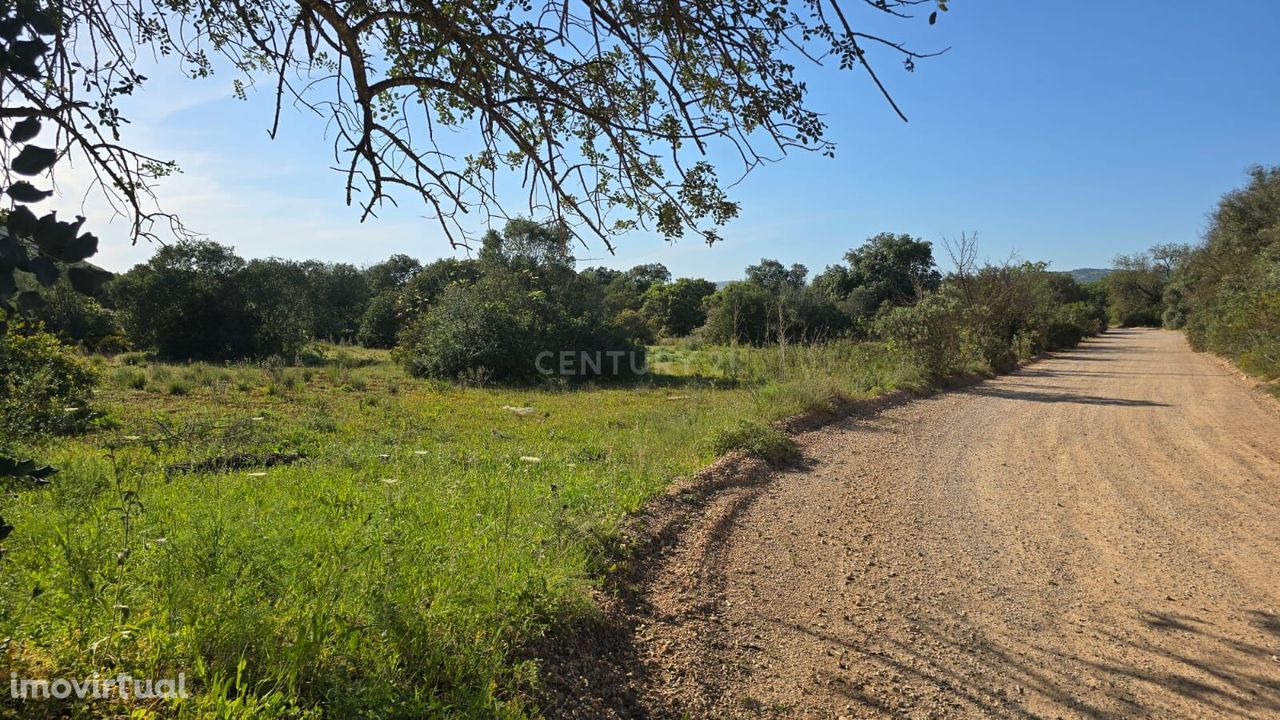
199,300
45,387
524,309
491,317
1225,292
994,316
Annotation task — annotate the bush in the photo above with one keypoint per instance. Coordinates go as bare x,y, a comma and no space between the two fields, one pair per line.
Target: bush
45,387
1226,293
1072,323
129,378
931,334
764,441
136,358
740,312
635,326
78,319
381,321
527,311
465,331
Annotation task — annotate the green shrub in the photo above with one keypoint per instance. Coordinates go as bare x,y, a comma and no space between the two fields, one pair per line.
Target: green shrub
45,387
496,330
931,334
135,358
129,378
179,387
635,326
760,439
381,321
1073,322
465,331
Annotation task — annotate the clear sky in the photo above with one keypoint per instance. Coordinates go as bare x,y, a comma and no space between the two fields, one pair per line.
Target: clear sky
1066,132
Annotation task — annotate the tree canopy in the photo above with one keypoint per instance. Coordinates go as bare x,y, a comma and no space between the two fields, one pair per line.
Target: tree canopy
607,111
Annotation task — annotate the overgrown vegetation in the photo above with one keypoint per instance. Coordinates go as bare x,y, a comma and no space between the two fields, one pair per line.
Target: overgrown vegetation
1226,292
423,530
1223,292
431,531
526,301
45,387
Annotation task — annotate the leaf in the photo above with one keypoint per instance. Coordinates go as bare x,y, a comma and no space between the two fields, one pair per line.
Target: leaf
25,130
29,302
12,254
42,22
22,222
22,56
45,270
29,49
79,248
25,192
9,28
34,160
41,473
933,17
52,235
87,280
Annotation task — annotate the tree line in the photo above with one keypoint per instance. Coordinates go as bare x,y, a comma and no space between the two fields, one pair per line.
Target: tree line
487,317
1223,292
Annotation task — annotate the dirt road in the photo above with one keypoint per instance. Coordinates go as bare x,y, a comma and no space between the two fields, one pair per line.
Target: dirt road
1096,535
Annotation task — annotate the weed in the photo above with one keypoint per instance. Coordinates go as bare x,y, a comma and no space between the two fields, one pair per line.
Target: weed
129,378
270,590
760,439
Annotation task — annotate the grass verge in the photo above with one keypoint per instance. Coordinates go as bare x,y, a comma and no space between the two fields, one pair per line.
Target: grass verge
430,532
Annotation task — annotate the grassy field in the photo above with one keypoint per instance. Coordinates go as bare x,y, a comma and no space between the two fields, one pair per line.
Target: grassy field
394,571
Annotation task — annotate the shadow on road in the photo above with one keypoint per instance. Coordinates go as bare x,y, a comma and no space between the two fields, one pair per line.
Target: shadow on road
996,674
1056,397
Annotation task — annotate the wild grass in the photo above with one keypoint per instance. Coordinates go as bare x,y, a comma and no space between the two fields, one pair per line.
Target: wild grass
758,438
430,533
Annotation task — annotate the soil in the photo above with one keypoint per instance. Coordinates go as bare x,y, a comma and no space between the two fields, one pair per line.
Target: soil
1096,535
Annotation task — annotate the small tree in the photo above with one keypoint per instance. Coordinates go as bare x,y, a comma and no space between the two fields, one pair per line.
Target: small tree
676,309
887,268
380,323
338,294
278,299
739,312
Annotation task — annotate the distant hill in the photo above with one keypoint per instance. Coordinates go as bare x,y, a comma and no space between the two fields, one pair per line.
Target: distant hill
1087,275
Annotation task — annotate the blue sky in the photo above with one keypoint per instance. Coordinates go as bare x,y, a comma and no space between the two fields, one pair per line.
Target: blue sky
1066,132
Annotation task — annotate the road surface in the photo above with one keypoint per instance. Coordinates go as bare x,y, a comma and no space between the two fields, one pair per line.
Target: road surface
1096,535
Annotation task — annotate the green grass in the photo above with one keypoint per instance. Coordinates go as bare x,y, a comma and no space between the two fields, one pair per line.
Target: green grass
395,572
760,439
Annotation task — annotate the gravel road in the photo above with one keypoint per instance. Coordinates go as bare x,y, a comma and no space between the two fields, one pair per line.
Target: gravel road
1096,535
